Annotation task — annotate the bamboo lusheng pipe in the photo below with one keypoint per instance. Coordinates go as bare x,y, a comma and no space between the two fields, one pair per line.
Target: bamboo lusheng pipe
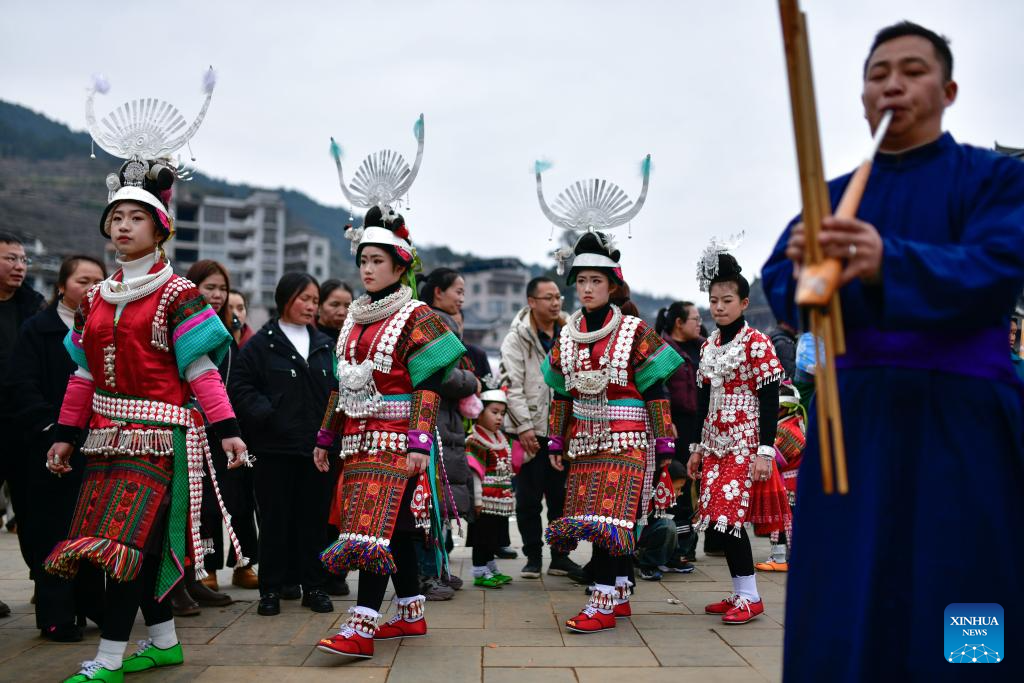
819,279
826,317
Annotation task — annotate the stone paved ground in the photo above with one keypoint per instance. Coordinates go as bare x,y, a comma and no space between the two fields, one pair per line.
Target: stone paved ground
512,635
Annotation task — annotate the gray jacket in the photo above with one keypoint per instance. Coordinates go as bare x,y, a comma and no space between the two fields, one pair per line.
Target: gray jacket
459,384
529,397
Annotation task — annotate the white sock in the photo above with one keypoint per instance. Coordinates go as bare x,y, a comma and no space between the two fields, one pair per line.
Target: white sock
111,653
746,586
778,552
163,635
480,571
735,585
493,566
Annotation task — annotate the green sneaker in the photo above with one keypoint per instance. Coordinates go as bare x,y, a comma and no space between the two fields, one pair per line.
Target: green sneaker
504,578
92,671
489,581
149,656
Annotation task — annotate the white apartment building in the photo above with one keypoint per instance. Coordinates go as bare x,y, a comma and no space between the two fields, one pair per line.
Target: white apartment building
307,253
495,291
246,235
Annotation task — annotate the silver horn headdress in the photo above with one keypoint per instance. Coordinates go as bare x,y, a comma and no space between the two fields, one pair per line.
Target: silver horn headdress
383,178
592,204
144,130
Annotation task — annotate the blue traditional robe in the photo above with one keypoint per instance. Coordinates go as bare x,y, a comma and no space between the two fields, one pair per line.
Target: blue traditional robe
933,414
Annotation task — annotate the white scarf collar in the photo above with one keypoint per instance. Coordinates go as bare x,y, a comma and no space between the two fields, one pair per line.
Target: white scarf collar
490,440
136,280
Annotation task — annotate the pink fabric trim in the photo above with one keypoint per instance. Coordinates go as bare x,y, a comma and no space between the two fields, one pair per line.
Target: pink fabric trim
195,320
556,445
664,445
76,409
325,438
418,443
475,465
213,399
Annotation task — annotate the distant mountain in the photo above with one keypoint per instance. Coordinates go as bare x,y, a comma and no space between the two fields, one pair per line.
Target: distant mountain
51,189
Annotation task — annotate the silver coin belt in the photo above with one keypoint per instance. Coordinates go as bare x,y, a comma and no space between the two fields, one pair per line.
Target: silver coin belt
615,442
130,409
374,442
619,413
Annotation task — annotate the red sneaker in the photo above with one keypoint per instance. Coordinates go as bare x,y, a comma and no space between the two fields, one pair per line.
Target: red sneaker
408,621
591,620
721,607
355,639
744,611
397,627
623,610
348,643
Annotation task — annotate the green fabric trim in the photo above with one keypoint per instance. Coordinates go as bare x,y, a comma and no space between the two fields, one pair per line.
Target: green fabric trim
555,380
209,337
172,561
440,354
657,368
627,402
77,354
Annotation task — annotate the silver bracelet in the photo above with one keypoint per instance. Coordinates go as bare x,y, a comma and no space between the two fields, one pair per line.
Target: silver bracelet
766,452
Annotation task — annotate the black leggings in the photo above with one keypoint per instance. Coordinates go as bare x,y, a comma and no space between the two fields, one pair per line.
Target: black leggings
406,578
737,552
605,567
124,598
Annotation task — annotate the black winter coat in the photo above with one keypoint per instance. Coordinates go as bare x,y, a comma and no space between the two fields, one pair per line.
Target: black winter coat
280,398
38,372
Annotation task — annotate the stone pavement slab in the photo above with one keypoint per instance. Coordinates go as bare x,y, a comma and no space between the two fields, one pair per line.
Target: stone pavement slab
511,635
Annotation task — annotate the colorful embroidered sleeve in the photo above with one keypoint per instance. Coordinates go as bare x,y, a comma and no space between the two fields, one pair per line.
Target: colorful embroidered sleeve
476,456
558,418
552,370
332,423
429,345
764,362
654,360
660,415
73,339
195,330
423,420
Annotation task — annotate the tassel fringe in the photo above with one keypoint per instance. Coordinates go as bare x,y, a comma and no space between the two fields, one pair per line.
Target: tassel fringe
119,561
565,534
351,554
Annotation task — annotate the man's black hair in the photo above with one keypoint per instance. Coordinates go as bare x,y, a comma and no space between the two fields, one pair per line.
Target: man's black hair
909,28
533,285
9,238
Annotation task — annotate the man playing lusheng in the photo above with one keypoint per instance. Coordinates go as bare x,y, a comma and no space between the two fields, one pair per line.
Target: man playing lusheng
933,265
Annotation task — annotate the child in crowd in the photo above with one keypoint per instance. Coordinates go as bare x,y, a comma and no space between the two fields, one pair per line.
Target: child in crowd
490,460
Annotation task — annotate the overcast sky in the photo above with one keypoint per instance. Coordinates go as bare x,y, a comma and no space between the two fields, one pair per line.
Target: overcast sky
591,85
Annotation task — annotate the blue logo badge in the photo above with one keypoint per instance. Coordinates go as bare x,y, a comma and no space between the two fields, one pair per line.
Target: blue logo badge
973,633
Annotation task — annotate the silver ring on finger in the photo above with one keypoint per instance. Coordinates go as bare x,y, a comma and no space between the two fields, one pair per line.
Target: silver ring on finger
853,250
